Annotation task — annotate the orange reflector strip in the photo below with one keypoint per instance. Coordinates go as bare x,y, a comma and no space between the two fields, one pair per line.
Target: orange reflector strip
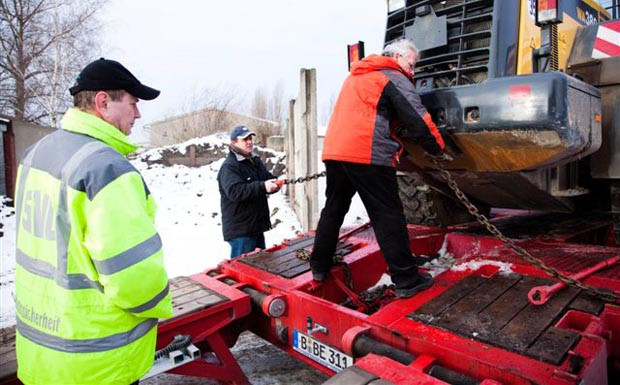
597,118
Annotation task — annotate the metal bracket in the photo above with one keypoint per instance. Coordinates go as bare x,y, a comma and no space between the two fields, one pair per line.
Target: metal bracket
173,360
428,31
314,327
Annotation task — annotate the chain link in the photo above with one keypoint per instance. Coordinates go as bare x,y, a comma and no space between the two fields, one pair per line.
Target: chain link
348,277
306,178
304,255
520,251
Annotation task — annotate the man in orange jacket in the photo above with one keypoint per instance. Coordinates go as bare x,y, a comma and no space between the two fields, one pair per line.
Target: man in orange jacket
360,151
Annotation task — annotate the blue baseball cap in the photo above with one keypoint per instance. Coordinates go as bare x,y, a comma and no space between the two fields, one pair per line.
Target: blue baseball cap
240,132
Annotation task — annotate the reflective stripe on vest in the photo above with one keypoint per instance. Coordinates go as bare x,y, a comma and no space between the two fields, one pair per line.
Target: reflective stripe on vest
89,345
46,270
129,257
63,226
152,302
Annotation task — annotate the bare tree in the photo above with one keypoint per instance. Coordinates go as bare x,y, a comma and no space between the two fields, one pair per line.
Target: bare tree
259,103
203,113
269,106
45,43
276,104
270,109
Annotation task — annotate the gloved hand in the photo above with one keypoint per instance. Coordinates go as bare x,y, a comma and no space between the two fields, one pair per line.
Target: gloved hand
442,158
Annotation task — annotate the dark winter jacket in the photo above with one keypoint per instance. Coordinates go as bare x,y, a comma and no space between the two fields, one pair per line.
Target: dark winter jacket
375,100
245,211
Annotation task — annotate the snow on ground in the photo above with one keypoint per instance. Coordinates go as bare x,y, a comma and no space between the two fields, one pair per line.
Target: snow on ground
7,263
188,217
189,222
504,268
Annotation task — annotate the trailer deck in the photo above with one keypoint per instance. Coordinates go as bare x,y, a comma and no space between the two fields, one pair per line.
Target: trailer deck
475,325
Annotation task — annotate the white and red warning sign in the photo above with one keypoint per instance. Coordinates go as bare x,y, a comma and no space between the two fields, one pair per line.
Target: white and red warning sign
607,41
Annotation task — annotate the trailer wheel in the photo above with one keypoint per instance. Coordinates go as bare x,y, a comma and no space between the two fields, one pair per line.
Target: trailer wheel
424,206
417,201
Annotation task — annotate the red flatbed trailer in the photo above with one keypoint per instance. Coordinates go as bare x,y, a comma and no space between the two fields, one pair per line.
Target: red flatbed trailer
474,325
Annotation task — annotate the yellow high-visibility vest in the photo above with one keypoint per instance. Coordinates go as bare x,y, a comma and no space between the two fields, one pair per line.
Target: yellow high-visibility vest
90,281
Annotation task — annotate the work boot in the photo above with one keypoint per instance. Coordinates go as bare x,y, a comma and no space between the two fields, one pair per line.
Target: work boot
319,276
425,281
319,270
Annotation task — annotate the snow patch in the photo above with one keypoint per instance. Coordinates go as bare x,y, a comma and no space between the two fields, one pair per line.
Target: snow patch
7,263
473,265
443,262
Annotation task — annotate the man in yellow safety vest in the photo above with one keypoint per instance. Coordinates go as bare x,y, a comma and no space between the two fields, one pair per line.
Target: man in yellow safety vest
90,281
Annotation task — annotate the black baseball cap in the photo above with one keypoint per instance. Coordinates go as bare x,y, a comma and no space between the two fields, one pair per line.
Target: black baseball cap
104,74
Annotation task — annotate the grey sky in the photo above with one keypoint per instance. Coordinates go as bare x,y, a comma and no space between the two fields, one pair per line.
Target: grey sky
184,46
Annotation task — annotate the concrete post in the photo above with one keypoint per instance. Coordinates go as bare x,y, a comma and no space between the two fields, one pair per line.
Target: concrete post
192,155
290,149
305,150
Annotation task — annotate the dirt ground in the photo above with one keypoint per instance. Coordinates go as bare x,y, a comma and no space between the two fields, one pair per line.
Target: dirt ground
262,363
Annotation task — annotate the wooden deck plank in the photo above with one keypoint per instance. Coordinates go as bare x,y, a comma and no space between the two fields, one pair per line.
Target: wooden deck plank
179,291
523,330
189,296
433,309
285,262
587,304
294,241
295,269
8,360
474,304
299,245
288,264
552,341
272,261
496,311
499,313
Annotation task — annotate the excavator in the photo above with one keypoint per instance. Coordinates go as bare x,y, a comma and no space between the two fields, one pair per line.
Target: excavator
518,230
527,103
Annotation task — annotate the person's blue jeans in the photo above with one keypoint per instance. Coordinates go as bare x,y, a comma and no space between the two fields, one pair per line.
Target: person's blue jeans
241,245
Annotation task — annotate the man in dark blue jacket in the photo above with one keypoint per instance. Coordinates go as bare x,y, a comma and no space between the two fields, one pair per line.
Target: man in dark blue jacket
244,184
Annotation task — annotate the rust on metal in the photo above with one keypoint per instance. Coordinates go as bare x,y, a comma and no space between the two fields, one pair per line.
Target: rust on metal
502,151
496,311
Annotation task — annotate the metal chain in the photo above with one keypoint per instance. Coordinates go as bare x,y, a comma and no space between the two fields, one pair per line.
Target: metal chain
348,277
372,298
520,251
306,178
304,255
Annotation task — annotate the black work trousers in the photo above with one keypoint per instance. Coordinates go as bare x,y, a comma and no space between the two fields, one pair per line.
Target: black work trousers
378,189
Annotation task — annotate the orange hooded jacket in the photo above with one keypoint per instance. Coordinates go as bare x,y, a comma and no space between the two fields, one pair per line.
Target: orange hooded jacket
377,100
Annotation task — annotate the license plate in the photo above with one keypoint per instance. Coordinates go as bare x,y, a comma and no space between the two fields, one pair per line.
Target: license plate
321,353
